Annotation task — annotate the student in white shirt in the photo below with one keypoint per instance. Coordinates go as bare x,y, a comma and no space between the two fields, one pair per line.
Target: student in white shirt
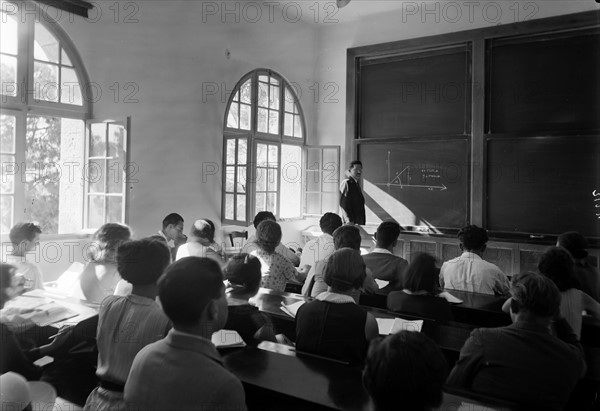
25,237
172,232
470,272
201,242
321,247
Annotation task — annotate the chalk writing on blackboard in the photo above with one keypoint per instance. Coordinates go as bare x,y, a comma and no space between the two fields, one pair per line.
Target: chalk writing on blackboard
596,195
405,178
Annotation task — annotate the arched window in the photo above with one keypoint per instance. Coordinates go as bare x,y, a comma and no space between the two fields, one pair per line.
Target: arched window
50,169
264,137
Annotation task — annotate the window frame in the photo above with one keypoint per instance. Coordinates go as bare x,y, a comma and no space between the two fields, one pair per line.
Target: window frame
24,104
255,137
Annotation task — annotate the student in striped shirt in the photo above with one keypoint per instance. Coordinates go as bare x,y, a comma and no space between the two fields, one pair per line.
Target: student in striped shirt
127,324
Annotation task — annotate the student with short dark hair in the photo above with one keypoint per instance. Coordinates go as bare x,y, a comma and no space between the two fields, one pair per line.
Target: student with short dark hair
524,363
405,370
586,274
344,236
382,262
184,371
251,244
556,264
470,272
333,325
172,232
126,324
243,275
276,269
100,276
421,287
25,237
201,242
322,246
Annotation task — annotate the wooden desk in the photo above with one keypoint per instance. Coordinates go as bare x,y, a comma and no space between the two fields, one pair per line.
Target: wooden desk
482,310
297,382
449,336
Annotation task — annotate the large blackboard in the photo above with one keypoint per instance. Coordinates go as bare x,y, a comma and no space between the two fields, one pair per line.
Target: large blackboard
543,185
418,183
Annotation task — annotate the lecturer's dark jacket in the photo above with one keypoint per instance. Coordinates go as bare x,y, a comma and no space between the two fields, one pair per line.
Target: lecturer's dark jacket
352,201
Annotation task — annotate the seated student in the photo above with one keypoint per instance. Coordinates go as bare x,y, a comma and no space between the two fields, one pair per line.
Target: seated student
405,370
243,274
251,243
321,247
586,274
469,272
344,236
556,264
25,237
127,324
12,356
201,242
172,232
276,269
184,371
382,262
523,362
421,287
100,276
333,325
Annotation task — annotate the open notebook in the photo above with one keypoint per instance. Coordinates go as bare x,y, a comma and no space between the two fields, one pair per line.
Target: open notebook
292,309
227,339
393,325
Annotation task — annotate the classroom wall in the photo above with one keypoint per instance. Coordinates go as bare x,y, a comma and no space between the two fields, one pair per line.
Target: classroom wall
176,56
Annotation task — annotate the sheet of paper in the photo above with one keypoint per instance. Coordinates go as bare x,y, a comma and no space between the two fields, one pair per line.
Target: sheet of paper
227,338
44,361
450,298
292,309
393,325
381,283
51,313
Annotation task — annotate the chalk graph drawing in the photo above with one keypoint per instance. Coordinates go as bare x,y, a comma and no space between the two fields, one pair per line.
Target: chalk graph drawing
404,178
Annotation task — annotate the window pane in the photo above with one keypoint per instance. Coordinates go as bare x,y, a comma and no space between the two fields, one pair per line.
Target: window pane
330,202
273,122
114,209
115,176
313,182
45,46
262,120
273,156
245,92
70,91
7,133
330,158
263,95
9,34
291,181
313,203
229,206
261,202
261,154
230,150
95,212
116,141
98,140
8,75
95,176
297,127
272,179
274,80
229,179
241,179
245,115
288,125
6,209
242,151
313,159
274,97
241,208
65,60
9,170
232,116
45,82
289,101
263,78
236,97
329,187
272,202
261,179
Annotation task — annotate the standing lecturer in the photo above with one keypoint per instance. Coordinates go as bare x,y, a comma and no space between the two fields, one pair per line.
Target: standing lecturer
352,201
